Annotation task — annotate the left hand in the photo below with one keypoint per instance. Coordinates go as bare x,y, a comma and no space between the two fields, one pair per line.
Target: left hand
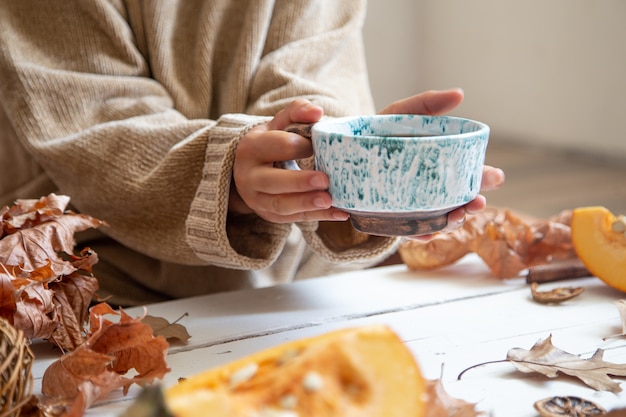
435,103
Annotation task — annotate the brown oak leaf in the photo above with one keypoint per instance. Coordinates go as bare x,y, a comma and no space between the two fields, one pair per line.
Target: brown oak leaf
549,360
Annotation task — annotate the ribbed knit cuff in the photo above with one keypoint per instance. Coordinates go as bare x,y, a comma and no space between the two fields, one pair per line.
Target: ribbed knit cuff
257,242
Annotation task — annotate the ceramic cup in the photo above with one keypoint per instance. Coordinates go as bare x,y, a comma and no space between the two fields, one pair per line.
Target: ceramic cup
400,175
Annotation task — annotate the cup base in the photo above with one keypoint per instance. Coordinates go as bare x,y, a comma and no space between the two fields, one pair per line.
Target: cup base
405,224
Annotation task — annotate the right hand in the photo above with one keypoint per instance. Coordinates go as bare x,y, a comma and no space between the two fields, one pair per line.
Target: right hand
275,194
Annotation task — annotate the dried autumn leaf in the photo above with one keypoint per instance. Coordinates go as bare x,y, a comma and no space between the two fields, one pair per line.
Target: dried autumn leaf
556,295
549,360
79,379
442,404
130,341
27,213
72,297
97,367
45,289
507,243
162,327
34,247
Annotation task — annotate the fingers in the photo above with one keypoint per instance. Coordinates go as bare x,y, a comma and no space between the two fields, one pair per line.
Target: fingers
279,195
456,218
493,178
264,146
429,102
298,111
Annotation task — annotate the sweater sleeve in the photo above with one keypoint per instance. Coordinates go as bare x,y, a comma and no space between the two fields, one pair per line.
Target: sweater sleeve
83,101
115,116
329,68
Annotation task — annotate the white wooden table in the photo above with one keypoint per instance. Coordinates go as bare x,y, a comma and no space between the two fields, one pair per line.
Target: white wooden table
451,319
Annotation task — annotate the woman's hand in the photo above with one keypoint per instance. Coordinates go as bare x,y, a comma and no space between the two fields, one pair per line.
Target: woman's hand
285,196
436,103
280,195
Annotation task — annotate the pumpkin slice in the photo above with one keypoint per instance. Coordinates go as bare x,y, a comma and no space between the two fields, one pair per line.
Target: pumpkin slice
365,371
600,243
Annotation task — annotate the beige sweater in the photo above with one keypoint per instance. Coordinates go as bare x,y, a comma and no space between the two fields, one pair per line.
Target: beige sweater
134,109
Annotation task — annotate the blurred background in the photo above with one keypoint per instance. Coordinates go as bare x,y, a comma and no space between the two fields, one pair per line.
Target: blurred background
548,77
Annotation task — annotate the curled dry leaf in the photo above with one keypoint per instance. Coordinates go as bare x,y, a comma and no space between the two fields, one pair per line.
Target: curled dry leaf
162,327
507,243
37,241
45,287
98,366
556,295
442,404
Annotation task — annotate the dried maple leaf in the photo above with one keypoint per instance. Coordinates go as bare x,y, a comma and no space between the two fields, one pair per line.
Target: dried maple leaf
442,404
79,379
162,327
507,243
549,360
98,366
130,341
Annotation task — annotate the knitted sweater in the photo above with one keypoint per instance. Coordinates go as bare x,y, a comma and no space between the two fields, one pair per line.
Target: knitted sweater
134,109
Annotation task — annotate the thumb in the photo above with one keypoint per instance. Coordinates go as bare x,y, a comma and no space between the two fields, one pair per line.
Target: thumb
298,111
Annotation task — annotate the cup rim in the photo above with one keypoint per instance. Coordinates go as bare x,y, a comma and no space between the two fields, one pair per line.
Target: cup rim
323,126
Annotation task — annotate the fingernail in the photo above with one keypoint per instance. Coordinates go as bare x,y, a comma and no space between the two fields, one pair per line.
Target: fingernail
495,177
319,182
341,215
321,202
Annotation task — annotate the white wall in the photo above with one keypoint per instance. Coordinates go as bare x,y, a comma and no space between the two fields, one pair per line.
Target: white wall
542,72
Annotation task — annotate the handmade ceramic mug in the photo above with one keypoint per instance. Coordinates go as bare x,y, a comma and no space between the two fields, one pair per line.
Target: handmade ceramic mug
399,175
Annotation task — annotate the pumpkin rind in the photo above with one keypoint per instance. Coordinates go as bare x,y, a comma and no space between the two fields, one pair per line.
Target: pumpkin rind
601,249
365,371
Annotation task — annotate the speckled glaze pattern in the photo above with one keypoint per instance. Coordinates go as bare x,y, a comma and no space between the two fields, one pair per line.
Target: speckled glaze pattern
384,164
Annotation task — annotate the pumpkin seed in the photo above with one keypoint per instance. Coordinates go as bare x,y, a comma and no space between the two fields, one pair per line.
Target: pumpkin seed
243,374
619,224
312,382
288,401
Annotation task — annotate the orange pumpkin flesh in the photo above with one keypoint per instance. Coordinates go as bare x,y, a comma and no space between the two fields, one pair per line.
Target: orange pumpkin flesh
365,371
600,248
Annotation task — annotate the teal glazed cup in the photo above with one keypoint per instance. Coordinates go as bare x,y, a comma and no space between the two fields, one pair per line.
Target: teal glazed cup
400,175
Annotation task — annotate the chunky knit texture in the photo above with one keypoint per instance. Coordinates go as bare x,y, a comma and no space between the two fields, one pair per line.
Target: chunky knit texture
134,109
